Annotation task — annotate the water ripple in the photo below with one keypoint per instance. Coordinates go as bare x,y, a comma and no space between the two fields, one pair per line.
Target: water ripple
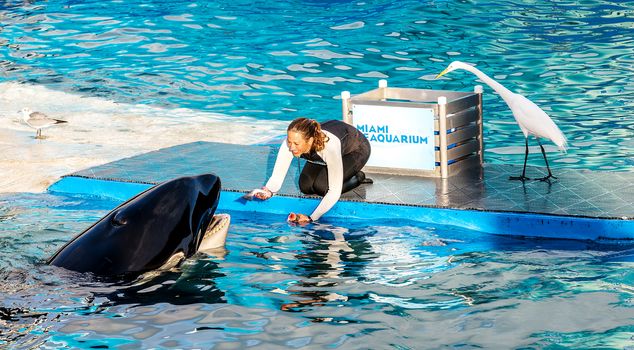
570,58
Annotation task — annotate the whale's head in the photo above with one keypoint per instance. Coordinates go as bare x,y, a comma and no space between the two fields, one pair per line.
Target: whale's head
166,221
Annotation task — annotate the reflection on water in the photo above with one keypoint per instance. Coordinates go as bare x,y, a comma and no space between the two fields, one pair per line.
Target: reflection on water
192,283
329,285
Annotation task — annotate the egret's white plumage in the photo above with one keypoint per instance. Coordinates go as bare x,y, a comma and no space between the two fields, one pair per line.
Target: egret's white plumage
531,119
38,121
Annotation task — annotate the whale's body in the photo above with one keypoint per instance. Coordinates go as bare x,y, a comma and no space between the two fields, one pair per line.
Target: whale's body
153,229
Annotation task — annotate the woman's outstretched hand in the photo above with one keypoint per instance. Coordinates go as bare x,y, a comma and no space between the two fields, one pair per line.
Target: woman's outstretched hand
262,194
298,218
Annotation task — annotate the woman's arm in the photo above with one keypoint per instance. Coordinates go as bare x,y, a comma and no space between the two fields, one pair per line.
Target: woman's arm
282,163
333,158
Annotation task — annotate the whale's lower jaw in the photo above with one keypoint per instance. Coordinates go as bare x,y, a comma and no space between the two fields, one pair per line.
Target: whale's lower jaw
216,234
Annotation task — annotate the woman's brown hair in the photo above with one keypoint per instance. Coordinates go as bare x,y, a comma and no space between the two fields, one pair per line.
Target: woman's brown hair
309,128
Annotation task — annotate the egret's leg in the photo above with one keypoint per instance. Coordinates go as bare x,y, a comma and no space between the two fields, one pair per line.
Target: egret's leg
550,175
523,176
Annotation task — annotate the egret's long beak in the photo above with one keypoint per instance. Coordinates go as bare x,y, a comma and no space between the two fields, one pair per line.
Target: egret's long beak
441,73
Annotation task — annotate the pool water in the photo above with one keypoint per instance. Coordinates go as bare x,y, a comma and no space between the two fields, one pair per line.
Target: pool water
133,76
278,60
353,284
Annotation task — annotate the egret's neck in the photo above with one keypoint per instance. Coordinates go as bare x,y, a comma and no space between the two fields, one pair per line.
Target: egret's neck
501,90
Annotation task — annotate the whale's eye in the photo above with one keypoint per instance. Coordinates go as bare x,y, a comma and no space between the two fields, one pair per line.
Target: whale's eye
119,219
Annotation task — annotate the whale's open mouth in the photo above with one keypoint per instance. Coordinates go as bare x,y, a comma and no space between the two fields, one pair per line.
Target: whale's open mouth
216,233
214,238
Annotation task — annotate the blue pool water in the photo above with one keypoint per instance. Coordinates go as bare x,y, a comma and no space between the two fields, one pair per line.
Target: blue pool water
284,59
353,284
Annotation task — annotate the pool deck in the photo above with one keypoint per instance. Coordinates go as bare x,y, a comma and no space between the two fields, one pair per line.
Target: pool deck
578,204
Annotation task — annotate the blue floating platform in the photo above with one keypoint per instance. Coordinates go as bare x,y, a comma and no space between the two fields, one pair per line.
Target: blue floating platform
580,204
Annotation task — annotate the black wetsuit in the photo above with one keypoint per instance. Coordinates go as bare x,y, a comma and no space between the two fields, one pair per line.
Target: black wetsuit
355,152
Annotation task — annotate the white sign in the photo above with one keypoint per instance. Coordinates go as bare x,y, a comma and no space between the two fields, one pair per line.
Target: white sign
401,137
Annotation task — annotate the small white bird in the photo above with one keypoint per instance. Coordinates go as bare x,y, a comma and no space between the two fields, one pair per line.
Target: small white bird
38,121
531,119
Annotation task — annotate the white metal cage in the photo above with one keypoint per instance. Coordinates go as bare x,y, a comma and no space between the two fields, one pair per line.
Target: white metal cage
457,126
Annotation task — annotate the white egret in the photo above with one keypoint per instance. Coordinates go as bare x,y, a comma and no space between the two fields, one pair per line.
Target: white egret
38,121
531,119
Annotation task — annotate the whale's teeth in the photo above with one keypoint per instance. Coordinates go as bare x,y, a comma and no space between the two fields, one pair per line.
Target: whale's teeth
216,233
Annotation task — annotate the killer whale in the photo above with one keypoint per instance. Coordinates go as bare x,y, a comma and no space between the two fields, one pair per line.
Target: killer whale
156,228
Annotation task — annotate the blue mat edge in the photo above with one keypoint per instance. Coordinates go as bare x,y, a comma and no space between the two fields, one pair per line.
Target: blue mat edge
492,222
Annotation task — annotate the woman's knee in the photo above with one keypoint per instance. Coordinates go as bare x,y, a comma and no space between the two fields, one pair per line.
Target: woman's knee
320,186
313,185
306,185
